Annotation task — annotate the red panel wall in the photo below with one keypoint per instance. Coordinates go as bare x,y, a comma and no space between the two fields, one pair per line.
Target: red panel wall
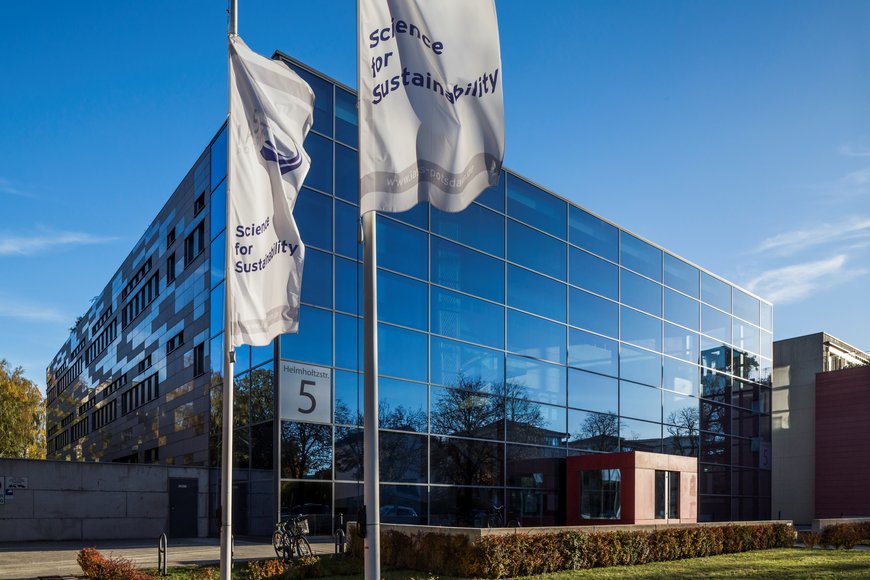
622,461
843,443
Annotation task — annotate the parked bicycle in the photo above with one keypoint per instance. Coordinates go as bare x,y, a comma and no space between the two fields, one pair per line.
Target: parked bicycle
497,518
289,538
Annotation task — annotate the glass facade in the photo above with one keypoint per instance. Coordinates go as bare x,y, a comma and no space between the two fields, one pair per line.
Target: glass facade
513,335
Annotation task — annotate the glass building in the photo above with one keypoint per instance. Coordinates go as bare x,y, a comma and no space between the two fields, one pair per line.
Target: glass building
512,335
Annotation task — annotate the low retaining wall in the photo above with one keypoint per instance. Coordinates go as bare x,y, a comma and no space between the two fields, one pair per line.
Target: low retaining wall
66,500
821,524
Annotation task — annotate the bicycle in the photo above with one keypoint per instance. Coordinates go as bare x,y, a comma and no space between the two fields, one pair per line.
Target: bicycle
496,518
289,539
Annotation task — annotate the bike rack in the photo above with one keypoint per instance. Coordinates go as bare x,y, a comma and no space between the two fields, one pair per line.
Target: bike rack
340,541
162,545
340,535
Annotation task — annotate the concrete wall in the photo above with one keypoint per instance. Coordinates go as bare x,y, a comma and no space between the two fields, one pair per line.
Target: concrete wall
92,501
796,362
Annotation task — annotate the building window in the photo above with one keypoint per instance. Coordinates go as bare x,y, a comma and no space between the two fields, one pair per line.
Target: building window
150,455
199,359
143,364
139,394
600,494
175,342
141,300
667,494
194,244
170,238
170,268
199,203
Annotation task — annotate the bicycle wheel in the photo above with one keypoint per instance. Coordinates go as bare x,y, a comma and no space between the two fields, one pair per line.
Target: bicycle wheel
279,542
303,548
514,523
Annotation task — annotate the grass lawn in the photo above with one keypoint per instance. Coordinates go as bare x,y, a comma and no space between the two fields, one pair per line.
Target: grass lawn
780,564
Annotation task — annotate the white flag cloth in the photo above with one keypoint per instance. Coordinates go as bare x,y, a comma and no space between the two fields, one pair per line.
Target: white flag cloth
270,113
431,106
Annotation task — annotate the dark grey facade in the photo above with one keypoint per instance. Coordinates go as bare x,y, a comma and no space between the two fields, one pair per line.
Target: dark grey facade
512,335
131,382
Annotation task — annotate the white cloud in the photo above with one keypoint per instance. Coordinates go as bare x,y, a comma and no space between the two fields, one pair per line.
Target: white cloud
859,178
852,150
795,282
855,229
12,245
32,312
8,188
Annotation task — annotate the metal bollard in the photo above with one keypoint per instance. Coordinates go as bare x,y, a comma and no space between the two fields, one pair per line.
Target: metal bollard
340,541
162,544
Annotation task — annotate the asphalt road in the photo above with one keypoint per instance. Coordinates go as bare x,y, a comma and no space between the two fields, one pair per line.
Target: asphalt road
58,559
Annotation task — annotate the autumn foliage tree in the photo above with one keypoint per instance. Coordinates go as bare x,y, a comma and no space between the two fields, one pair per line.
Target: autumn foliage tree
22,415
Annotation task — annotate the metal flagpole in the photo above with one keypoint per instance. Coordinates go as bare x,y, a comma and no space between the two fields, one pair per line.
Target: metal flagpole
371,475
226,563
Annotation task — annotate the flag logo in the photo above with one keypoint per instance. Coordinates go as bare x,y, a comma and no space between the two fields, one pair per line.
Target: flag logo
286,163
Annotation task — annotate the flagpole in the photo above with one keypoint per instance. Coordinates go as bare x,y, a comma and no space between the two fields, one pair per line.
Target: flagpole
371,474
226,555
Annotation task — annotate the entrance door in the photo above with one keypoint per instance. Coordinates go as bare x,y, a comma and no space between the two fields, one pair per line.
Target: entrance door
240,508
183,502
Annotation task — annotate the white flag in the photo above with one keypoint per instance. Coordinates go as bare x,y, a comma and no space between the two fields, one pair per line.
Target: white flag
270,114
431,106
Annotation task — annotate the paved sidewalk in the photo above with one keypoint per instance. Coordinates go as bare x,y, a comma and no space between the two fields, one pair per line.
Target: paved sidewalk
27,560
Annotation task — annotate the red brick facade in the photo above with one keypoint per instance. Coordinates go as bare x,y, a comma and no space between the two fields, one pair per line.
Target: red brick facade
843,443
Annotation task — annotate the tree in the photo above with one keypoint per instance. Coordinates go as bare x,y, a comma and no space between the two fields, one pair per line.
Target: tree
22,415
599,432
683,429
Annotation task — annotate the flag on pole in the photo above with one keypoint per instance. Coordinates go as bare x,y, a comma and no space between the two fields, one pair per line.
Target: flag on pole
270,113
431,106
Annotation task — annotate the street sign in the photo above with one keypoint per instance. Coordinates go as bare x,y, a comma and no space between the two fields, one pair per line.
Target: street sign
305,393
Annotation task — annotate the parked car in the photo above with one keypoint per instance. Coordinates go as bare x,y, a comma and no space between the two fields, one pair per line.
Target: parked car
399,514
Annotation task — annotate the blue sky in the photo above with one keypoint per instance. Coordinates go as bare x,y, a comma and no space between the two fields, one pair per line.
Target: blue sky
733,133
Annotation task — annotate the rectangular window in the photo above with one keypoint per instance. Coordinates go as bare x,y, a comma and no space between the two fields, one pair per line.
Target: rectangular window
199,359
139,394
141,300
143,364
667,494
115,385
600,494
175,342
673,494
199,203
170,268
194,244
150,455
170,237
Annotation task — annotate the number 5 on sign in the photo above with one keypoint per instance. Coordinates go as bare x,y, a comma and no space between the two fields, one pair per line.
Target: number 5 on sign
305,393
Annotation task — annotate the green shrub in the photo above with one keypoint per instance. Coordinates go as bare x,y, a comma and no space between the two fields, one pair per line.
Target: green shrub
261,570
809,539
845,535
95,565
520,554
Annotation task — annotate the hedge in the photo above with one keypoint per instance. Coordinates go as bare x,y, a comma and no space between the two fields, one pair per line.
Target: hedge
523,554
845,535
